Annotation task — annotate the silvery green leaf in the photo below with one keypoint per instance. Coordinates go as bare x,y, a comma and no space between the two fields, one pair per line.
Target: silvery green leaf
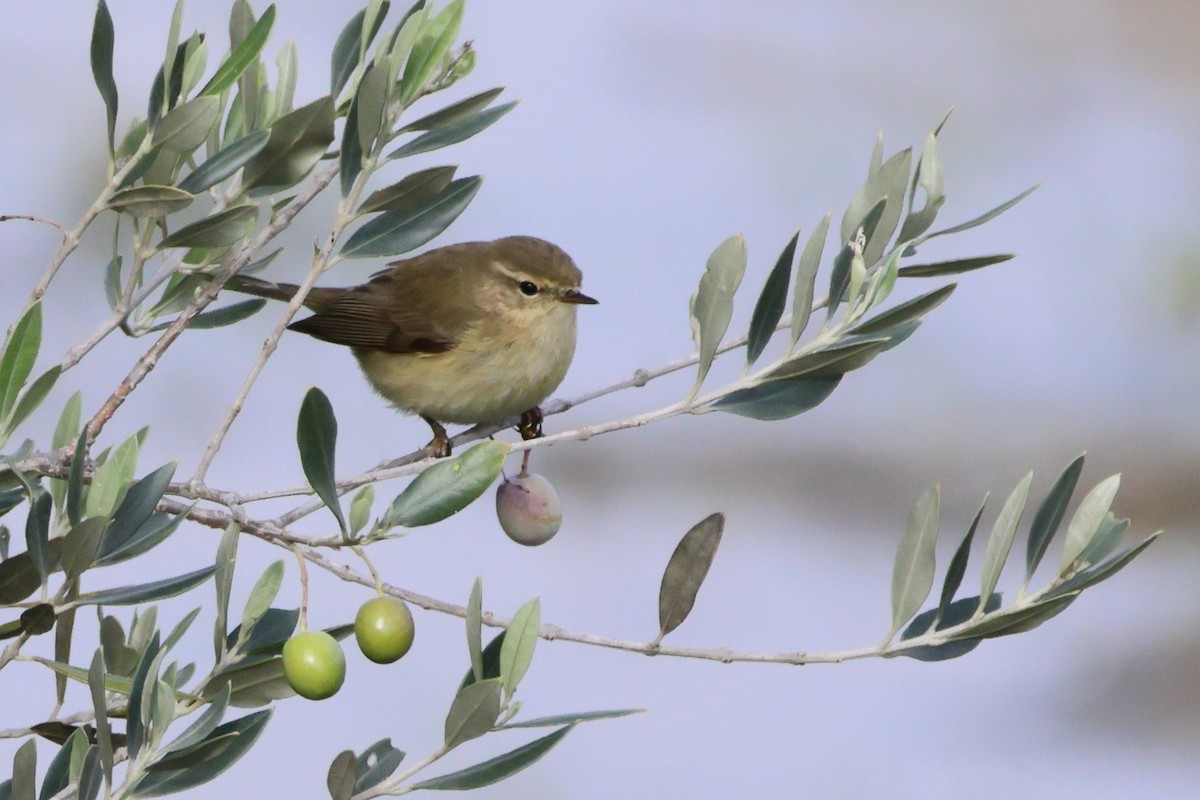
496,769
146,672
220,230
474,620
112,479
298,141
372,102
806,277
453,133
1087,519
225,162
955,573
455,112
839,278
143,593
186,126
1000,542
223,581
769,308
350,158
1016,620
904,312
473,712
376,764
103,37
80,546
410,190
912,573
316,436
982,218
953,615
433,43
687,570
268,635
928,178
150,201
954,267
24,774
516,654
713,305
1102,571
396,232
888,183
447,487
1049,515
220,317
244,54
832,361
876,155
568,719
241,733
285,88
37,533
360,508
490,658
348,47
136,507
340,778
373,16
195,61
16,362
260,599
57,774
777,399
33,396
1107,537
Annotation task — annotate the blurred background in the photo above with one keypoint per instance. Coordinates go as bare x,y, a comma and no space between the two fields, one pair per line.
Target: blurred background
647,133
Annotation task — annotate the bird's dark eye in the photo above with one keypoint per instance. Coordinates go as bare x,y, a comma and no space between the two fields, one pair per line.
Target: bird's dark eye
528,288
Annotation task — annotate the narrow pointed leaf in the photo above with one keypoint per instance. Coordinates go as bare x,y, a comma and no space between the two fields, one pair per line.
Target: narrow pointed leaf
220,230
58,773
80,546
955,267
985,217
1107,537
1087,519
491,661
1102,571
904,312
912,573
686,571
112,479
228,160
223,581
137,506
187,126
243,55
449,486
219,318
150,201
570,719
96,676
929,178
455,112
350,158
769,309
261,597
1049,515
409,190
395,232
37,534
777,399
713,304
316,436
1000,542
889,183
432,45
473,712
145,592
517,652
957,569
372,102
955,614
839,279
806,277
347,49
496,769
103,37
151,534
453,133
832,361
20,351
24,774
475,628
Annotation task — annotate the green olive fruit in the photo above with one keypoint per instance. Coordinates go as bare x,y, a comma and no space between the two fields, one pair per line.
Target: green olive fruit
528,509
384,629
314,665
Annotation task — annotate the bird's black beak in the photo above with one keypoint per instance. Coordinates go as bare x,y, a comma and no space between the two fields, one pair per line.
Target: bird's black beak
576,297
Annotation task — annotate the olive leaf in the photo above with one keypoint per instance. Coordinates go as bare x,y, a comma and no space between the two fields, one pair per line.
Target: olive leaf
912,573
686,571
316,436
712,305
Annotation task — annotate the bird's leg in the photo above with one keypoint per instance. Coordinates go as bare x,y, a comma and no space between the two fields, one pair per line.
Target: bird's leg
531,424
441,441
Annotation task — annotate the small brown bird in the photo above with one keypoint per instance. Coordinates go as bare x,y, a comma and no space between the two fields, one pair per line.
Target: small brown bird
467,333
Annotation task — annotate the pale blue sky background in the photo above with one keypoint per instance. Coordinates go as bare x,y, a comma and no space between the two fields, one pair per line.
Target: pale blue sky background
647,133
